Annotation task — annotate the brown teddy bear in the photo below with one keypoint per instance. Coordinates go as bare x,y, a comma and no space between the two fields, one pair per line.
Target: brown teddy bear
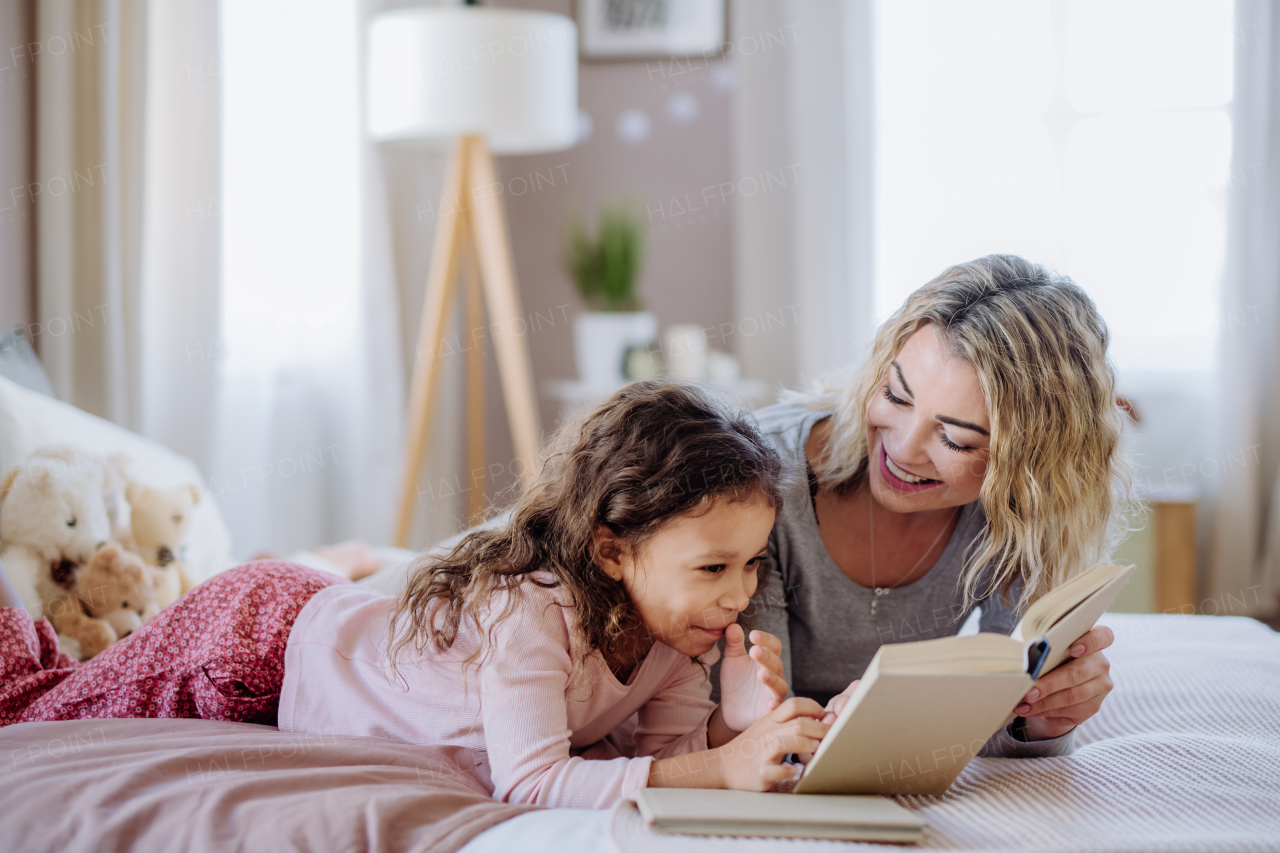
107,598
159,520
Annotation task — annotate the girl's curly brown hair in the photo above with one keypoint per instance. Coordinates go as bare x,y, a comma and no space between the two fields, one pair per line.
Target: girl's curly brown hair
652,451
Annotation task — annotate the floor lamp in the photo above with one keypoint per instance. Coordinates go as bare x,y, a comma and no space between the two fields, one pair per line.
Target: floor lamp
495,81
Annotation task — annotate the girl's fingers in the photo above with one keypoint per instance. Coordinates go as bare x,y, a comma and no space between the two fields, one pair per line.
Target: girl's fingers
775,684
767,659
774,746
734,643
778,748
775,773
799,735
768,641
797,706
809,727
838,701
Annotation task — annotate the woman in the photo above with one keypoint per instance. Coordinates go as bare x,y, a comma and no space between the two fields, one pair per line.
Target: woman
975,462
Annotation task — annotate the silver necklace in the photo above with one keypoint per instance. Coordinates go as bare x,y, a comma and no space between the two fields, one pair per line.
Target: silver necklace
877,592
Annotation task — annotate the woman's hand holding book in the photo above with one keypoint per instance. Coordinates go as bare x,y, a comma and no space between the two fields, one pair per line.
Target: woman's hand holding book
1072,693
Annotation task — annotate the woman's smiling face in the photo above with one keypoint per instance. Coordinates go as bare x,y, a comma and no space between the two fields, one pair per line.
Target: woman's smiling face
928,433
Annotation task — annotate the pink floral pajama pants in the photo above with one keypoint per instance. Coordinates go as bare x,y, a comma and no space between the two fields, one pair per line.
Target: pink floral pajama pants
217,653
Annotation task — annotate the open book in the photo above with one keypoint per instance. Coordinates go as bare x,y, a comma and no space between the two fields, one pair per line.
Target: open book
923,709
694,811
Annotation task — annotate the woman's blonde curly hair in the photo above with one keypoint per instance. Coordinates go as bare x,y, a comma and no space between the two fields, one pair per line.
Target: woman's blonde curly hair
1057,484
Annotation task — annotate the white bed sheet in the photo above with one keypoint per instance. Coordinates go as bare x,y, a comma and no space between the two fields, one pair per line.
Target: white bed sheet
559,830
1183,756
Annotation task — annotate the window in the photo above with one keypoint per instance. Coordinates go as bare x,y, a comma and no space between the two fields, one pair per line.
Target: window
289,377
290,181
1089,135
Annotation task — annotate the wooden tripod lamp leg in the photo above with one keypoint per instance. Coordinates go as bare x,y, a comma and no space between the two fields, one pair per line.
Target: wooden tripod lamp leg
475,384
490,232
441,283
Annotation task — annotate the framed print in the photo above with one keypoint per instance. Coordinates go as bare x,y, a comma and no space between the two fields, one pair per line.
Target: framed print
611,29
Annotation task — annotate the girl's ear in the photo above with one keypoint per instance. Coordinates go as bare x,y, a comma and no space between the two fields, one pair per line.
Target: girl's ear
611,549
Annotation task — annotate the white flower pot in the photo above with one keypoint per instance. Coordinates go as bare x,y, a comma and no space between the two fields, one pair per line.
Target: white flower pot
601,340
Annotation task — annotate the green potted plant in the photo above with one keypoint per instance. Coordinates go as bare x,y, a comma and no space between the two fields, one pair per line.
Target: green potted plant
605,267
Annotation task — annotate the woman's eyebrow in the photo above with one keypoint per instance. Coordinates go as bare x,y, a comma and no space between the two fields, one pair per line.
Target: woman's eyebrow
903,379
962,424
943,418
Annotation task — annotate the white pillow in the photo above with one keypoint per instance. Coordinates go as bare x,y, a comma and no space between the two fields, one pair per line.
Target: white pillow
29,421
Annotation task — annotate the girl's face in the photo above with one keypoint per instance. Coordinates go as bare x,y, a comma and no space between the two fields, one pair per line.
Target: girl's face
696,574
928,433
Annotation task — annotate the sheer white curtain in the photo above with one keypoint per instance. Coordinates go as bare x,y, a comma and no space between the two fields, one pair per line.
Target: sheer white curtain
1245,562
127,183
803,106
310,400
214,263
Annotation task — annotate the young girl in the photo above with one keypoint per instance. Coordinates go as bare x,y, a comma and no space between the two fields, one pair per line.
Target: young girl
565,646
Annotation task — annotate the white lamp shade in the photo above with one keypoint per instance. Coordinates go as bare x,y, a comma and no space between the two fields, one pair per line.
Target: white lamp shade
509,75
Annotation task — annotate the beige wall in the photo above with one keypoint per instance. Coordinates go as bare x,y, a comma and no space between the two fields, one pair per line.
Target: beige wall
17,83
688,270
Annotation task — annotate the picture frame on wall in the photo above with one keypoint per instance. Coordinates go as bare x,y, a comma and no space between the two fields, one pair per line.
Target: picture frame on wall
624,29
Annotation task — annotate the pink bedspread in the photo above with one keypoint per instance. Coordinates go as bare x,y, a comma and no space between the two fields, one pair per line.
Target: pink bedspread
196,785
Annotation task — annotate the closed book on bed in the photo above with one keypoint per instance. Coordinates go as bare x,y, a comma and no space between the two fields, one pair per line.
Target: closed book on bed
922,710
697,811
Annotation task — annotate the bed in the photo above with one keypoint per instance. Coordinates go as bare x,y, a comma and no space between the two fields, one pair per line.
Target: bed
1185,755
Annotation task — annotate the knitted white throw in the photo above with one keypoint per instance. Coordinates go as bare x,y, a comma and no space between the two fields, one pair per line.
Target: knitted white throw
1184,755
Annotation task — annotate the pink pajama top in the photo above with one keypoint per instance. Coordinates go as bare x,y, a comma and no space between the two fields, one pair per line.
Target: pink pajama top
547,730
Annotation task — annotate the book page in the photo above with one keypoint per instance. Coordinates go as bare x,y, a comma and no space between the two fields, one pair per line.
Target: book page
1055,605
984,652
1079,621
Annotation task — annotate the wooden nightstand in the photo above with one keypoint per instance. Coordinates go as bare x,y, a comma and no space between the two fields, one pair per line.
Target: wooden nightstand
1164,551
1174,525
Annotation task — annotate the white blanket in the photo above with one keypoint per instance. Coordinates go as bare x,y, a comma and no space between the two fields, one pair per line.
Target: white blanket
1184,755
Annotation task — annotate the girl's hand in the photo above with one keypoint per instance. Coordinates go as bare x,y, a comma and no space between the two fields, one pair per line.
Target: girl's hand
833,709
751,684
838,701
1073,692
753,760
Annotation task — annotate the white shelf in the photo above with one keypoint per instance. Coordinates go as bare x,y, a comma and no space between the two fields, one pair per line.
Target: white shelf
753,392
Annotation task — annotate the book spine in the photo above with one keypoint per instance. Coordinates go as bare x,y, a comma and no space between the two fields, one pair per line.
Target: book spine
1037,654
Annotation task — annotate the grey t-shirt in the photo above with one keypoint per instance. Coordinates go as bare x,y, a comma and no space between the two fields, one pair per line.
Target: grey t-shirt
824,619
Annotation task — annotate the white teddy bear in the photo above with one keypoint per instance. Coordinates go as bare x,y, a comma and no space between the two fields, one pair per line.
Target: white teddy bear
53,517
